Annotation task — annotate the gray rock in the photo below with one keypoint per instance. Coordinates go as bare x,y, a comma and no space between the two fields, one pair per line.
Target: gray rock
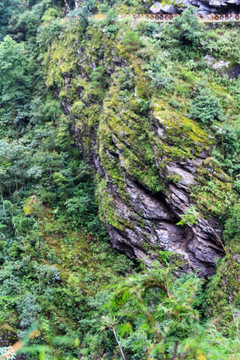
169,9
146,222
209,59
157,7
205,10
223,67
220,64
205,6
216,3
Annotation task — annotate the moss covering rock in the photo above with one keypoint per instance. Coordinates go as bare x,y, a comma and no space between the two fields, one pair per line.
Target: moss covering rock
150,157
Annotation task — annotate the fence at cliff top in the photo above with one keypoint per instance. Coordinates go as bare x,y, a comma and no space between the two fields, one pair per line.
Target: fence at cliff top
168,17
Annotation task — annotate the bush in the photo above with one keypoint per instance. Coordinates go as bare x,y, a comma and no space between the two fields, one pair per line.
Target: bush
110,25
162,80
131,41
232,225
205,107
185,32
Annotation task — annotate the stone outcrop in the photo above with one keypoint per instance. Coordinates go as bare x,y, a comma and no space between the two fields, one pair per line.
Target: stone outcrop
151,162
141,207
223,68
147,219
204,6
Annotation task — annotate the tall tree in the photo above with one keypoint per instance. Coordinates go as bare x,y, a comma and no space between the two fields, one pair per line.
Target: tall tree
7,8
14,81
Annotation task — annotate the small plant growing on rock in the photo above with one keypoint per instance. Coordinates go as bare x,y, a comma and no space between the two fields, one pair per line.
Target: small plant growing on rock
190,218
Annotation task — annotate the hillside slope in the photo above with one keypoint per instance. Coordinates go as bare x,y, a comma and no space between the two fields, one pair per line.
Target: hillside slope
130,127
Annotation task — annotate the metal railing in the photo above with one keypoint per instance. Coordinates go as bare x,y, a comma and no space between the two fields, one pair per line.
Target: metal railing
169,18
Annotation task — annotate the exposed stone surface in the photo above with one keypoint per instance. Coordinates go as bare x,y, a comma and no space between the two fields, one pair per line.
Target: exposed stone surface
220,64
222,67
204,6
145,221
146,163
159,216
158,7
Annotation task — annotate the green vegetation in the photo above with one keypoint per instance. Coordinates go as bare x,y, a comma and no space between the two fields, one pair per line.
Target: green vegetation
156,316
205,107
130,94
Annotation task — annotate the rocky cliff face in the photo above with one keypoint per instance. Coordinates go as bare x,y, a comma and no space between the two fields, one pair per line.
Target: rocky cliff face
151,161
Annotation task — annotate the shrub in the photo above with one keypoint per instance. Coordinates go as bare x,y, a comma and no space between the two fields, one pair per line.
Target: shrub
185,32
131,41
232,225
110,25
205,107
162,80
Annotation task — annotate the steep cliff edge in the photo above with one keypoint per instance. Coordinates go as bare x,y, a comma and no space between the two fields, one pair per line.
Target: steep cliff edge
152,162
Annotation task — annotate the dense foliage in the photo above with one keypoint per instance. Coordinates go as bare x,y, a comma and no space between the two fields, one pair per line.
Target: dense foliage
63,289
